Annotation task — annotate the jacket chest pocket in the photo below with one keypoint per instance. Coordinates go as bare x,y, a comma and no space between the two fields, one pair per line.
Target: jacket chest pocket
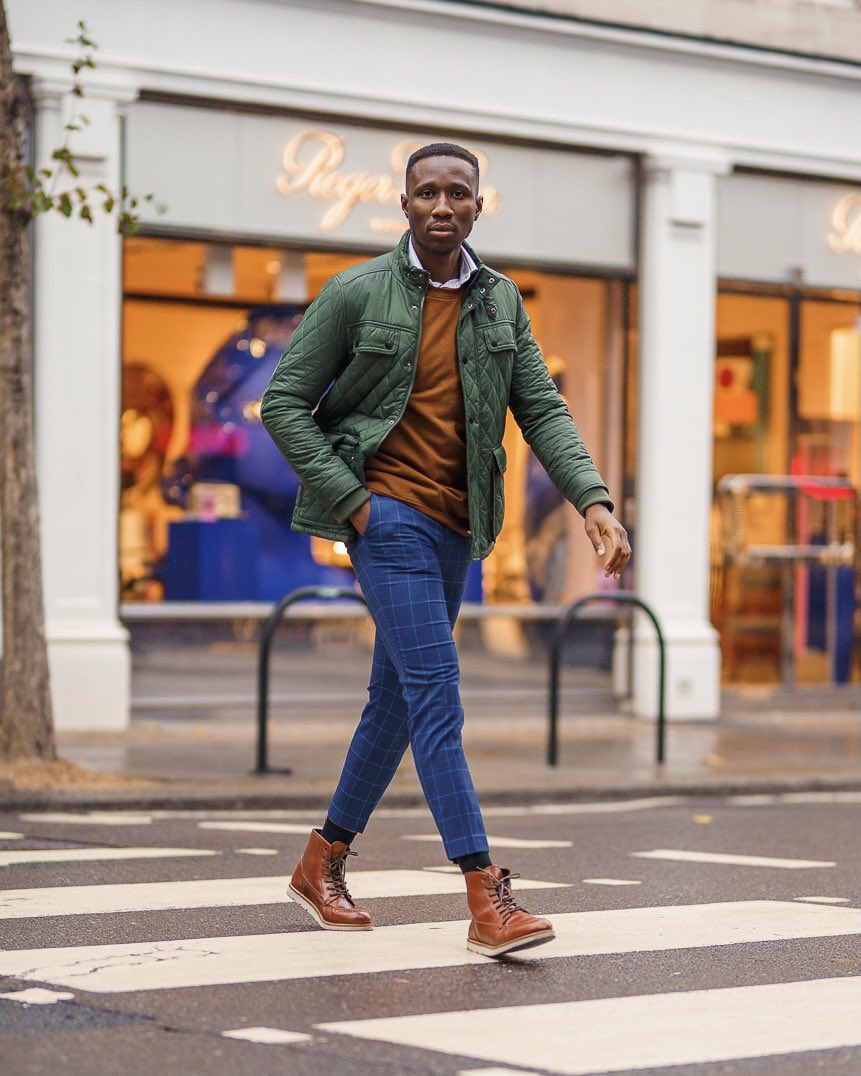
375,363
499,345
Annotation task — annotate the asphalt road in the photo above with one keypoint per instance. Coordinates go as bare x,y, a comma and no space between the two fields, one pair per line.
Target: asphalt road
693,936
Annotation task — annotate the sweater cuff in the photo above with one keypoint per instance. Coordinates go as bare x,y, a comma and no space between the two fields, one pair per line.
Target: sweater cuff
351,503
594,495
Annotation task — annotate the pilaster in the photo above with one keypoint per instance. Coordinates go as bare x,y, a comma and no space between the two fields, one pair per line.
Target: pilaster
76,333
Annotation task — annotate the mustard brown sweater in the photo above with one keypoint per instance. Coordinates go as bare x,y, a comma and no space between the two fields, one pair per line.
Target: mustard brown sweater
422,462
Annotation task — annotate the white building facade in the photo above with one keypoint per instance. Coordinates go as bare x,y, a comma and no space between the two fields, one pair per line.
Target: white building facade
683,188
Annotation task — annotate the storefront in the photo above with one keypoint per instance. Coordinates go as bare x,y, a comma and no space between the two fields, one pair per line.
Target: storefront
787,398
631,180
261,211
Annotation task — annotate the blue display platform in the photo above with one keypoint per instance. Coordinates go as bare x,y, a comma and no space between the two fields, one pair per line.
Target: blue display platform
211,561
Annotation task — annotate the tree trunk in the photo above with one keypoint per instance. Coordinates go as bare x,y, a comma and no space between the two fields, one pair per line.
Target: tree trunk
26,724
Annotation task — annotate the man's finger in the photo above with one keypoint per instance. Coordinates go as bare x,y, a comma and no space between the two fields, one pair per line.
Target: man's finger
594,536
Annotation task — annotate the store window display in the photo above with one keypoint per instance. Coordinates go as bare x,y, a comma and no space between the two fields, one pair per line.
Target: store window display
787,396
207,503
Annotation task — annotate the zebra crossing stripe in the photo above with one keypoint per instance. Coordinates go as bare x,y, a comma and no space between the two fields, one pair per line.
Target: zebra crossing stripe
267,1036
579,1037
494,842
161,965
679,856
90,855
88,818
220,893
258,827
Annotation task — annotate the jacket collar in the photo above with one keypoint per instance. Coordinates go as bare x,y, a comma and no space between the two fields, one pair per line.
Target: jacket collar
417,277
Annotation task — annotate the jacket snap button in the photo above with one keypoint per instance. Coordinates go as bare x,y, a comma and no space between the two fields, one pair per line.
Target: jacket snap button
491,280
482,290
389,345
391,422
415,307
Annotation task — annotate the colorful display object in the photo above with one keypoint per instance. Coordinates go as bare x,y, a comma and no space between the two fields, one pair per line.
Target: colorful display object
228,444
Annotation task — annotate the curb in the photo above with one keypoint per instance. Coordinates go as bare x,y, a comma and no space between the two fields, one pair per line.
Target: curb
183,798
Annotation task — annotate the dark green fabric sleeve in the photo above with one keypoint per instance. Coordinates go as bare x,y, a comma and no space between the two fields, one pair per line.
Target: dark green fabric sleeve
547,425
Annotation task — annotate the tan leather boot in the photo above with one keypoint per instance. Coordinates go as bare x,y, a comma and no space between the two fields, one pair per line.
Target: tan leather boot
499,925
319,885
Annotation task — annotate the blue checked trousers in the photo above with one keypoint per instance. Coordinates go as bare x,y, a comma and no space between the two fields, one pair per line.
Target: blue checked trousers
412,571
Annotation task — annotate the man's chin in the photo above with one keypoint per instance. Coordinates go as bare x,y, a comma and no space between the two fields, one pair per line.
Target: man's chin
440,243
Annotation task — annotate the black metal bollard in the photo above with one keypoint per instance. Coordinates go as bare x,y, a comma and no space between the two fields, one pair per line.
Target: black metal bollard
618,597
267,634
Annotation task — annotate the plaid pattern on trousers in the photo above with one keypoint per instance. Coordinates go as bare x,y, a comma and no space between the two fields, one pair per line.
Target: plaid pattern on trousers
413,573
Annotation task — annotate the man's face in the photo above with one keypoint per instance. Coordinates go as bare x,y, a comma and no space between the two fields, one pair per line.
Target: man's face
442,203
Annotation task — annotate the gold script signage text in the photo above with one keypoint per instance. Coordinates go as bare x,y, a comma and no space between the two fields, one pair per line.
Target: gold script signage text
846,222
312,162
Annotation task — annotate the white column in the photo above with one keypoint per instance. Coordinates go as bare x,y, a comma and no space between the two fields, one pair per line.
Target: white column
77,296
674,415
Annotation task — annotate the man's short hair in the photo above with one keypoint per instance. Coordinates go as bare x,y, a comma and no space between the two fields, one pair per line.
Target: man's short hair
442,149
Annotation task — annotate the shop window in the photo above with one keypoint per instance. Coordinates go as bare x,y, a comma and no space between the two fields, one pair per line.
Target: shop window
207,498
786,404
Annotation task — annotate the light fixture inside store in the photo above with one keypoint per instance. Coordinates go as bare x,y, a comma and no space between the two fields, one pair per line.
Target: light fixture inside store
257,347
845,380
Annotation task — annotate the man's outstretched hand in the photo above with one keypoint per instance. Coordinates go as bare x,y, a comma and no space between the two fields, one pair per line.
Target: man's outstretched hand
606,533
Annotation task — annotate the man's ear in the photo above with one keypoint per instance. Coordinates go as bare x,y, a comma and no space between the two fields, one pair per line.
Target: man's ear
404,204
479,205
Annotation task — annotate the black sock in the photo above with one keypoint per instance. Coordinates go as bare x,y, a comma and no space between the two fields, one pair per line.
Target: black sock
332,832
474,861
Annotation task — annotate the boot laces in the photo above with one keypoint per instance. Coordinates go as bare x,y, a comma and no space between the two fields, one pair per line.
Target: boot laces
503,899
335,869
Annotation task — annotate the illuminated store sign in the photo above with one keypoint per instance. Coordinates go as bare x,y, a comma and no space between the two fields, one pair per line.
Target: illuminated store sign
338,184
846,222
312,161
781,229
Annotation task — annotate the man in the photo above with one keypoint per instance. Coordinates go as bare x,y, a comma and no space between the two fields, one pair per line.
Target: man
390,404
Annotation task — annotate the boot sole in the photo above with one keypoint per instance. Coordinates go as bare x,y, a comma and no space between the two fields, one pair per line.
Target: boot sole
520,943
303,902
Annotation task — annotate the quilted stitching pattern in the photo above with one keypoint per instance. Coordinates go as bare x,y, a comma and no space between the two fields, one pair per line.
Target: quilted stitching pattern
353,358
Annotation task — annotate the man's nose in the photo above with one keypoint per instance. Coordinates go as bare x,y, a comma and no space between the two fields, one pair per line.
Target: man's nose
441,207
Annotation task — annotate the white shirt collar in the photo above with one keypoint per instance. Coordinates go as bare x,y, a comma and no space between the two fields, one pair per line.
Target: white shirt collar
466,268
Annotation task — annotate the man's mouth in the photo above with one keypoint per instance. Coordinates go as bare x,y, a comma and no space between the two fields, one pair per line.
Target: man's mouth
446,229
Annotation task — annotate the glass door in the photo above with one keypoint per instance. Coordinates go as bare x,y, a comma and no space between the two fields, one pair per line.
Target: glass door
786,407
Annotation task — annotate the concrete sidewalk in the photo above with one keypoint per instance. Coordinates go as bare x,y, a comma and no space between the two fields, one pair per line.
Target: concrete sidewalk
602,755
192,737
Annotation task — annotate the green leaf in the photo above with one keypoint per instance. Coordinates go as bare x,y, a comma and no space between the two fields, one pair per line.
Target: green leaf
31,174
85,213
41,202
108,205
72,127
70,164
64,204
45,172
77,91
81,193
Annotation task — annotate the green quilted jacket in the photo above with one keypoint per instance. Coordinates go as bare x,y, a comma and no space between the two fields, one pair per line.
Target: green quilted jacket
345,379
